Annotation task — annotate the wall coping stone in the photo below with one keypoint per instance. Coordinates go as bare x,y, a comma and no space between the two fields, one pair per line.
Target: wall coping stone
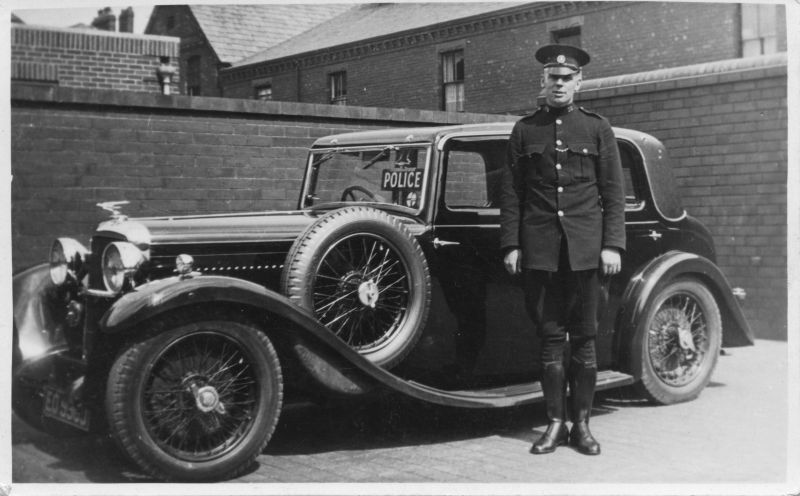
686,76
25,92
25,35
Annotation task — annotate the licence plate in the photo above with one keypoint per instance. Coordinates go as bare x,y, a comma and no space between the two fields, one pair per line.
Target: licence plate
57,405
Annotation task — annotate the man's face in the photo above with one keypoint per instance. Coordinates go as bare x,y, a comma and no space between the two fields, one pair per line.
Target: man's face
560,85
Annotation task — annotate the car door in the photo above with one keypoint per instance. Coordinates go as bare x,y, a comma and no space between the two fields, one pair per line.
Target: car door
489,326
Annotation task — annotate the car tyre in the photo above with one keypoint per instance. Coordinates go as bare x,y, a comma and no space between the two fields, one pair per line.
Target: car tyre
365,277
197,401
677,344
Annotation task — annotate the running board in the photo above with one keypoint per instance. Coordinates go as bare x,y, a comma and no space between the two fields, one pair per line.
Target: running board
506,396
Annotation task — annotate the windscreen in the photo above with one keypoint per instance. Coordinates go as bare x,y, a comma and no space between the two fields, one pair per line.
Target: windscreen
384,174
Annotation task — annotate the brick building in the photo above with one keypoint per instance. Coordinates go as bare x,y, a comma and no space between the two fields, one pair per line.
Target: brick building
215,36
83,58
458,56
721,112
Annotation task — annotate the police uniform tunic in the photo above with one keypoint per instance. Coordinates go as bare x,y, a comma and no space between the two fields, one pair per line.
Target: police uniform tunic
564,179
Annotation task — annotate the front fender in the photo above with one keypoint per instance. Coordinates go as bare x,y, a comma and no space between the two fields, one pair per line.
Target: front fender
165,295
325,357
646,283
35,312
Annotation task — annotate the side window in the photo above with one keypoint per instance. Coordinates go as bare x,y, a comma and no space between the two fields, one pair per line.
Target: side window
631,170
473,173
466,180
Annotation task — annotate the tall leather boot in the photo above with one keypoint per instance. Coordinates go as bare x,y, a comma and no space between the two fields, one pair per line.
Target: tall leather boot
554,388
581,383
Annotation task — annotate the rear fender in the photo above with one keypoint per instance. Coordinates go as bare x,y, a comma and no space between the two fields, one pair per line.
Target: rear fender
324,356
650,279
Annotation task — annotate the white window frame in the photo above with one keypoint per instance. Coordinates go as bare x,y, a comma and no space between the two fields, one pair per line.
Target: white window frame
337,83
453,80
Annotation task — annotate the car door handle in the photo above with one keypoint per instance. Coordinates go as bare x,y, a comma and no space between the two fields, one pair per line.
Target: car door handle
438,243
654,235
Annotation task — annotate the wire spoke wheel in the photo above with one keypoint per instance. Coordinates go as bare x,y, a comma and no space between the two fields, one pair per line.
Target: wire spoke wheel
679,340
365,278
361,291
677,343
196,401
200,397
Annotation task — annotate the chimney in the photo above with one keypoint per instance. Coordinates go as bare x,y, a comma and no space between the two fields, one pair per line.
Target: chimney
126,20
105,20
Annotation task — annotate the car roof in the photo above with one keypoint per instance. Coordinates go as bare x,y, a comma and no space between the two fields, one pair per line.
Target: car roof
657,166
432,134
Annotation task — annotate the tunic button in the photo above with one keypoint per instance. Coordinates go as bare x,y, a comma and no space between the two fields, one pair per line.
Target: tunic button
561,213
558,142
560,189
558,121
558,166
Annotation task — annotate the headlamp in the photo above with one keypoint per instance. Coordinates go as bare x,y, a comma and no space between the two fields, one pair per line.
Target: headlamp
67,257
120,260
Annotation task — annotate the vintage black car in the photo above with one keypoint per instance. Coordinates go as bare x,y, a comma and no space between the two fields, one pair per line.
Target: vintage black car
183,337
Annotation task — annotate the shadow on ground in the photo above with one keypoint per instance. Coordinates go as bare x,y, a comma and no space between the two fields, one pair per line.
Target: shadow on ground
309,429
396,422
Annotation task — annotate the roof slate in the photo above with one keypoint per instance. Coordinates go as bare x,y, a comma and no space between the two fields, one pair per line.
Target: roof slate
373,20
238,31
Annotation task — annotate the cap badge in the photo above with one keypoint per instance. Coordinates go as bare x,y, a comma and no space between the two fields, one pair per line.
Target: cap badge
561,59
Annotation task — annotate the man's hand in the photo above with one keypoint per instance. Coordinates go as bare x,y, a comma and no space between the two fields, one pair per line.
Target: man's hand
513,261
610,261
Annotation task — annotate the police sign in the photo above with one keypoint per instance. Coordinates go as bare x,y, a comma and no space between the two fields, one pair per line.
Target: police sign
399,179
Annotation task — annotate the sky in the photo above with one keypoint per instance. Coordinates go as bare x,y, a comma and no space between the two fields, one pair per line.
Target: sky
81,13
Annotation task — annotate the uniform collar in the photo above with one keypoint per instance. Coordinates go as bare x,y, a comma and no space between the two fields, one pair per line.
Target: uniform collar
559,110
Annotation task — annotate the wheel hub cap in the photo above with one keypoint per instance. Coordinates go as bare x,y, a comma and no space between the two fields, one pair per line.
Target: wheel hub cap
368,293
685,338
207,399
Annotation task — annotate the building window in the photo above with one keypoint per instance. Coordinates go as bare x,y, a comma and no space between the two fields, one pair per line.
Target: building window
759,29
453,80
570,36
193,75
170,22
263,92
337,81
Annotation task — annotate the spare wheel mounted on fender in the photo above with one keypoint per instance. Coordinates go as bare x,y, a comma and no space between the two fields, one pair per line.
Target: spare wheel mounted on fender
365,277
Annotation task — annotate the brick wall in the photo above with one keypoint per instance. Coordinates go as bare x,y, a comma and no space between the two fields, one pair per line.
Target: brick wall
90,59
724,124
725,127
166,155
404,70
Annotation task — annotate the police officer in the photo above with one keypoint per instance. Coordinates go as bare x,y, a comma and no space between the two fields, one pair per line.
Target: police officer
562,224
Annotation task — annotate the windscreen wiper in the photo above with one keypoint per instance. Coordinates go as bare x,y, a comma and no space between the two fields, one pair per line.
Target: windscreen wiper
324,158
378,156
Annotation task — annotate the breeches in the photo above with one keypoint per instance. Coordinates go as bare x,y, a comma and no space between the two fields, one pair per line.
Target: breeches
562,304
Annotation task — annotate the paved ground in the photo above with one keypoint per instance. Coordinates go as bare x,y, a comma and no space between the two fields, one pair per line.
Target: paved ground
736,432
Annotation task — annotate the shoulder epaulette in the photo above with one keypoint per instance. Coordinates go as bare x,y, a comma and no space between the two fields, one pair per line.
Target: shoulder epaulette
589,112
